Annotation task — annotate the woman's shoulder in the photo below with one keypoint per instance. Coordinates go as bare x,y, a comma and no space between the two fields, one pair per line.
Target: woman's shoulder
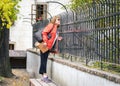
50,24
48,27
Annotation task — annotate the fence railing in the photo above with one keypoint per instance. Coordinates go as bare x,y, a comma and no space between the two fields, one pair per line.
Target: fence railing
92,32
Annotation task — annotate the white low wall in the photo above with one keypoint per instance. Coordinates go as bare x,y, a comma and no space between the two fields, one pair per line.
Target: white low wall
65,75
33,62
68,76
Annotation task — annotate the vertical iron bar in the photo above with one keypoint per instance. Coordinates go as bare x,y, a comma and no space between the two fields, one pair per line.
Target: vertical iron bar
118,30
100,34
103,32
112,56
115,47
109,50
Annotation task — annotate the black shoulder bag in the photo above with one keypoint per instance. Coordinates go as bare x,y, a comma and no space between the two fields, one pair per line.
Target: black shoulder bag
38,34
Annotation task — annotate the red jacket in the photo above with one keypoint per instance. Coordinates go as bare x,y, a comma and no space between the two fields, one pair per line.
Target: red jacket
45,32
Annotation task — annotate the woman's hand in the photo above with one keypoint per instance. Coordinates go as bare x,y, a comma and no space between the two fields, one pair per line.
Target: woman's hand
37,44
44,44
59,38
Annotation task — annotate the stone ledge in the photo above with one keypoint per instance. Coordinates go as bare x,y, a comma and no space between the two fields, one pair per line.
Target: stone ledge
34,50
17,53
100,73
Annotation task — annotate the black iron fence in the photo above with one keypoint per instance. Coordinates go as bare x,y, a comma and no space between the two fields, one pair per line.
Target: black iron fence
92,32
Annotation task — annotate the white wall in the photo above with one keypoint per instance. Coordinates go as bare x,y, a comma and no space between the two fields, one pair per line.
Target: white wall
21,32
67,76
55,8
33,65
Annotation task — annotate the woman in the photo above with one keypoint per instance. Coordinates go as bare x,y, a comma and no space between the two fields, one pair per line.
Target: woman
50,29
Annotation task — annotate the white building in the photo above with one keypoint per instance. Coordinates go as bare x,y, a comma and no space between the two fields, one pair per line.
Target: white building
21,32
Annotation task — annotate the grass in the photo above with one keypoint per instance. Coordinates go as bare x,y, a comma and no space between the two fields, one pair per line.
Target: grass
114,68
21,79
1,78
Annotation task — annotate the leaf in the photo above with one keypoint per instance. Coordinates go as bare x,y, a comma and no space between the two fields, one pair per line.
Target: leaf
8,12
79,3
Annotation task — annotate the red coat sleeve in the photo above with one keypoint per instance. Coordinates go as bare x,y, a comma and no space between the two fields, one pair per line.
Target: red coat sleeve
45,32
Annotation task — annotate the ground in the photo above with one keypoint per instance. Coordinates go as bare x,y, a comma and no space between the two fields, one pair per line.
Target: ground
22,78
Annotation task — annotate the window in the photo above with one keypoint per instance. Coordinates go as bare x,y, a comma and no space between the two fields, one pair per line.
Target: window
11,45
38,12
41,11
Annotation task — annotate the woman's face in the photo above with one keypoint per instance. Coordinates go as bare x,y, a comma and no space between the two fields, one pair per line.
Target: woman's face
57,21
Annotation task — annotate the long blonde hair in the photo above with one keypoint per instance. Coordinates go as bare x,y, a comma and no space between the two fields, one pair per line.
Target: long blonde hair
53,20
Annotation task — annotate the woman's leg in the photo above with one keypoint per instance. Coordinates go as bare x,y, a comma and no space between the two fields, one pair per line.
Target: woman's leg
43,66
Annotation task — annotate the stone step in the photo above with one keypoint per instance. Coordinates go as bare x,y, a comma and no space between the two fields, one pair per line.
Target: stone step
38,82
